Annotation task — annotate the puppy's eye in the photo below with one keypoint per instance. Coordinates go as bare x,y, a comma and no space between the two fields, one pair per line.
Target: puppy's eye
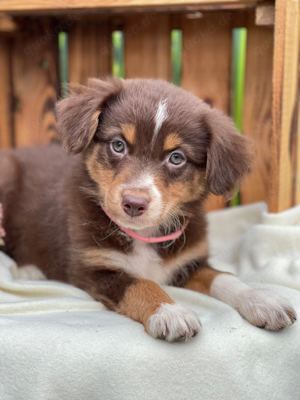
176,159
118,146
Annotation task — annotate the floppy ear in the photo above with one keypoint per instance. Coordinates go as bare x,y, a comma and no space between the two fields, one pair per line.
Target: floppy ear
229,155
78,115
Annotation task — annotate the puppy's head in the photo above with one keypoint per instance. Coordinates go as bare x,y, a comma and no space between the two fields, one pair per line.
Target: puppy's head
153,150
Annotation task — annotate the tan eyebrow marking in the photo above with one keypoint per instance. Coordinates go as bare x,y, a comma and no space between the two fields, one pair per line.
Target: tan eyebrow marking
129,132
172,141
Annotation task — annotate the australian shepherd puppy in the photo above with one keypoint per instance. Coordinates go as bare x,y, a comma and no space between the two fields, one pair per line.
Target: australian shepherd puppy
117,210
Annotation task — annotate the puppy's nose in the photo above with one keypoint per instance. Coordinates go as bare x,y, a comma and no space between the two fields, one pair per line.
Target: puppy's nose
134,206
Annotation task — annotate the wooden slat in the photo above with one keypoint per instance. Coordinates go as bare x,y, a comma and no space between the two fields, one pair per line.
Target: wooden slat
22,6
297,180
279,30
90,50
147,46
289,103
206,58
6,126
257,114
35,80
7,23
285,86
265,14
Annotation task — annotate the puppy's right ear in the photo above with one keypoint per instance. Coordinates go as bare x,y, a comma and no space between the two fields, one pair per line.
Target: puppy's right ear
78,115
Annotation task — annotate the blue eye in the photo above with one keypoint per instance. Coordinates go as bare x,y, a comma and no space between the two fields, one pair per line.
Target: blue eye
176,159
118,146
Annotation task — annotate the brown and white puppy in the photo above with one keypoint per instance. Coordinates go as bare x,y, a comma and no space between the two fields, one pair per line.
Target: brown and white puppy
144,155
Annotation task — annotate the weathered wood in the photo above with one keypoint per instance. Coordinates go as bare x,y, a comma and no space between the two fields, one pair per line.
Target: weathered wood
297,131
265,14
7,23
278,57
20,6
285,84
6,126
148,46
257,111
35,82
289,108
90,49
206,58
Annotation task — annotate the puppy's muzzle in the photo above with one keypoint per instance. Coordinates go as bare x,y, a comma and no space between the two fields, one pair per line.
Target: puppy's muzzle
134,206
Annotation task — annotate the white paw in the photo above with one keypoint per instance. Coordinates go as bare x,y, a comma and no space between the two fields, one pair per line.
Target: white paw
31,273
174,322
266,310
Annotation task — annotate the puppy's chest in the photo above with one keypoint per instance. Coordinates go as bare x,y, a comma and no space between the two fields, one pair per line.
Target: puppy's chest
143,262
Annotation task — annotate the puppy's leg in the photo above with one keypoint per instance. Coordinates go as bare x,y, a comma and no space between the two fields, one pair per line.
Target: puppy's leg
143,301
162,317
260,307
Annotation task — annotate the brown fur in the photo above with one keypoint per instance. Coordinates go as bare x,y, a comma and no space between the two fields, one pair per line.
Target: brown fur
202,279
53,203
142,300
106,285
84,105
188,254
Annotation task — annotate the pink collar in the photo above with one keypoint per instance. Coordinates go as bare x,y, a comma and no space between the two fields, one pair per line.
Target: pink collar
158,239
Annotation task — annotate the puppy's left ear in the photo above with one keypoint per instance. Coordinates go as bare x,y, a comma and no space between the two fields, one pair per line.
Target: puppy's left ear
229,154
78,115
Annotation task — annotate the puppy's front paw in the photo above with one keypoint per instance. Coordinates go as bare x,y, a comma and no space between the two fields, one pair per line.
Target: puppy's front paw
266,310
173,322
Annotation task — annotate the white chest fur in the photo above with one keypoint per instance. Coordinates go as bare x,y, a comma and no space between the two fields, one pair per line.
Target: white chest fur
142,262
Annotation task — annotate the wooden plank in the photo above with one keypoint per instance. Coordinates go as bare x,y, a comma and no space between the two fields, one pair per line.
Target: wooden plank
279,30
6,126
297,129
90,50
206,59
148,46
289,103
7,23
265,14
35,79
20,6
285,87
257,114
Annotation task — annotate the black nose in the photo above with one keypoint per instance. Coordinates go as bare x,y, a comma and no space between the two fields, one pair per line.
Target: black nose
134,206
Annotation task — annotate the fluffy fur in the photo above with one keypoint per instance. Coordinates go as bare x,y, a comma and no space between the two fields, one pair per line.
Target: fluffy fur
125,138
174,322
260,307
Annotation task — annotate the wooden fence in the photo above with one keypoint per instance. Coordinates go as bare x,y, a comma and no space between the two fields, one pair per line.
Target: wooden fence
30,79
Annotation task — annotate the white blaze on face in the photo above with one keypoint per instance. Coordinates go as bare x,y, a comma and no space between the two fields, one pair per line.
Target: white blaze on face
160,117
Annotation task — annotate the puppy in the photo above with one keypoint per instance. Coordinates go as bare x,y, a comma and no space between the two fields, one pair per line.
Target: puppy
123,214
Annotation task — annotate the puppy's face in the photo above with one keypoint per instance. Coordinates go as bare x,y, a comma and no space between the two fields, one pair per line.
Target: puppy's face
145,158
152,149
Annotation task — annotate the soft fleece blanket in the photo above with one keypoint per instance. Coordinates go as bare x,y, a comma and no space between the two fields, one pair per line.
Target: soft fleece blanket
57,343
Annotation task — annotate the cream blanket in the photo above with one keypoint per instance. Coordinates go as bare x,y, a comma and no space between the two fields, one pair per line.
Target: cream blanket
57,343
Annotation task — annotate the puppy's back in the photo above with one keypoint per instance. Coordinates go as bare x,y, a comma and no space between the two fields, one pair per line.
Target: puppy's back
32,182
